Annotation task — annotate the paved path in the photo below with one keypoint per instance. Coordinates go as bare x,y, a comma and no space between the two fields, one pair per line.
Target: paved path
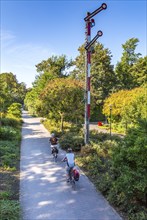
44,193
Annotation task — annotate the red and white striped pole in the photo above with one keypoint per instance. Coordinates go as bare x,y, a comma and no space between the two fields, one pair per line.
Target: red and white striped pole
87,80
88,71
89,23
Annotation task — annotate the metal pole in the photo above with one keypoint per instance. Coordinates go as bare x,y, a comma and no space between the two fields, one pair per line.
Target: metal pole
89,23
87,81
110,118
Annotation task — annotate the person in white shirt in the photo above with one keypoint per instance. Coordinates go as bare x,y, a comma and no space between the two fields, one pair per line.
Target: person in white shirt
70,160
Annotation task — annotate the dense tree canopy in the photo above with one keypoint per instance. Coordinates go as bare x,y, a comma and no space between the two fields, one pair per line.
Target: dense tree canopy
62,99
10,90
127,105
53,67
103,80
50,69
125,77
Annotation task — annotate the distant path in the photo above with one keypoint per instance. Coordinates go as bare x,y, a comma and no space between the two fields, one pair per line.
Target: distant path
94,126
44,193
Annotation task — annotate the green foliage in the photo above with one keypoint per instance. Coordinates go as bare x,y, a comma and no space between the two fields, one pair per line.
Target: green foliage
51,69
139,71
9,152
71,139
129,165
31,101
10,122
118,168
125,78
61,98
10,90
5,195
9,210
128,106
9,133
103,79
95,159
14,111
10,136
52,126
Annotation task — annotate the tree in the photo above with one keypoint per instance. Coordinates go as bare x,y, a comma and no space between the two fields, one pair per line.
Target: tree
62,99
103,80
10,90
53,67
31,100
14,111
125,80
50,69
128,106
139,71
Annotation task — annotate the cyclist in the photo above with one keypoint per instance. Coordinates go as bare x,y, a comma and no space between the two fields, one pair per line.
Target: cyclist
54,143
70,162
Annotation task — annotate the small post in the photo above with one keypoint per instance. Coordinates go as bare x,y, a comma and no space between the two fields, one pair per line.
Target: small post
110,118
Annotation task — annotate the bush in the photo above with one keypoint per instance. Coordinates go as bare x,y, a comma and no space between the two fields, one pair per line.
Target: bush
118,169
14,111
9,133
96,136
129,165
52,126
9,210
71,139
10,122
9,152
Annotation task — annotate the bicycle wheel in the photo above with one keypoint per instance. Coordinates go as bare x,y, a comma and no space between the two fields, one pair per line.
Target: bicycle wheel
55,156
72,181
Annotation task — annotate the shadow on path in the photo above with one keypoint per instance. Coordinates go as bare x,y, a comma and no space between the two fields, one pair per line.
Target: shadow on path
44,193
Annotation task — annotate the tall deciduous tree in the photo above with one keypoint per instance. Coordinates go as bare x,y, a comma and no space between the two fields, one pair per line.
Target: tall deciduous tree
128,106
125,78
10,90
53,67
139,72
103,80
62,99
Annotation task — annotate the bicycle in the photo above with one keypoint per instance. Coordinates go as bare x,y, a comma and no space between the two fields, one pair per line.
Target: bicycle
73,176
55,153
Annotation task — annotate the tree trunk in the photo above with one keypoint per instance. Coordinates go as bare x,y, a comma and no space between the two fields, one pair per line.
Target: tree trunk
62,116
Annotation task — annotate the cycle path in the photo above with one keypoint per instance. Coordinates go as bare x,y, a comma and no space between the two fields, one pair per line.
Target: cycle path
44,193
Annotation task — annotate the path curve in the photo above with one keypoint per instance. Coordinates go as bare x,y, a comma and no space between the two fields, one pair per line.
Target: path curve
44,193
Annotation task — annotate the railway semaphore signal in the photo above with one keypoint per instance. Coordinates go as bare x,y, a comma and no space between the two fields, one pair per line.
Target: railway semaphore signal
88,47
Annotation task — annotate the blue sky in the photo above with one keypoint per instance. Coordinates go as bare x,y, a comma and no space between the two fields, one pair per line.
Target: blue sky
34,30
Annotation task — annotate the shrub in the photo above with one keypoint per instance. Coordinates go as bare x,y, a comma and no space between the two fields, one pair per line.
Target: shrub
9,133
52,126
129,165
14,111
10,122
71,139
9,152
96,136
9,209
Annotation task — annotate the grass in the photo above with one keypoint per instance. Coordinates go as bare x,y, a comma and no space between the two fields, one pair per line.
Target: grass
10,137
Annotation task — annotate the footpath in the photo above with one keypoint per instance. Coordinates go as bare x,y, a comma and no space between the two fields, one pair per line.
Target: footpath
44,192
